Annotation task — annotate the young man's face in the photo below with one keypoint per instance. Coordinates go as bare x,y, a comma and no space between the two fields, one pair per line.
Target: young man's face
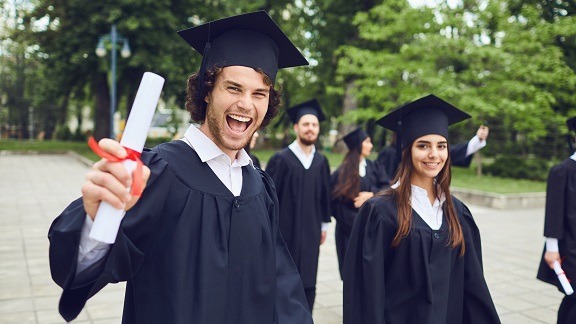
307,129
236,107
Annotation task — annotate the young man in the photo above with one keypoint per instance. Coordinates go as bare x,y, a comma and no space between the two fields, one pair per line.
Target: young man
461,154
202,245
302,179
560,229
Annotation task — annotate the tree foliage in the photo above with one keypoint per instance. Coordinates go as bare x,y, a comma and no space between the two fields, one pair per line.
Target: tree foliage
510,63
500,67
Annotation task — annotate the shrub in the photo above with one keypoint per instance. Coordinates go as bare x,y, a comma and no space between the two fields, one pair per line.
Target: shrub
517,167
63,133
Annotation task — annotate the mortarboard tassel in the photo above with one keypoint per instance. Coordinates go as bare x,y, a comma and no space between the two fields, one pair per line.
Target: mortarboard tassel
399,144
204,64
203,67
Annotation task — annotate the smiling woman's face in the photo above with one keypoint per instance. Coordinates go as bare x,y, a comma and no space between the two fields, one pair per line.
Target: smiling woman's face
429,155
366,147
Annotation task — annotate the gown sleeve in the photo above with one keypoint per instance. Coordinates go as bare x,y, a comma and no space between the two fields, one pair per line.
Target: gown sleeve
326,200
291,304
122,262
333,202
555,204
553,220
458,155
364,268
377,176
275,168
478,304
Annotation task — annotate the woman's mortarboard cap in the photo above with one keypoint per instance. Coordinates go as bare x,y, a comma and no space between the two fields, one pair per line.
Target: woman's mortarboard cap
309,107
424,116
355,138
253,40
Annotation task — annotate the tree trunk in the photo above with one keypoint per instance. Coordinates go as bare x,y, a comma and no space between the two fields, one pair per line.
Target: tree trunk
102,108
134,78
19,99
350,103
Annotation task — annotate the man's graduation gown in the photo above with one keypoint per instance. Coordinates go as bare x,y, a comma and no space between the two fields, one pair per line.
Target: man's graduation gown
344,211
560,221
190,251
304,204
422,281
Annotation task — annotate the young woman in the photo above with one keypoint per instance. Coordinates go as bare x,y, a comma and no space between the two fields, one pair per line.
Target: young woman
354,182
414,254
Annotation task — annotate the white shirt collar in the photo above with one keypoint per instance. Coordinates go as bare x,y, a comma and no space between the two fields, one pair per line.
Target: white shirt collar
421,193
305,159
208,150
295,147
430,213
573,157
362,167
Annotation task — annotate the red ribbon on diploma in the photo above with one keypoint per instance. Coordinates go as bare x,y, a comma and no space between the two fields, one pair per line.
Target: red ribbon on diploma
137,181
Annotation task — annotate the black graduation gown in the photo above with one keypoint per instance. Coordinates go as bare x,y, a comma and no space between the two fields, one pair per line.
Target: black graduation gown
560,221
304,204
386,161
458,155
344,211
190,251
422,281
255,161
387,164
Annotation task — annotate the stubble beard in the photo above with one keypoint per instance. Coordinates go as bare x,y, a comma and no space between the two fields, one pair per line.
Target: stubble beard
214,124
308,142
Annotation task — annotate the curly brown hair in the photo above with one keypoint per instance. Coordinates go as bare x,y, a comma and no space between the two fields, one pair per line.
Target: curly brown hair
196,104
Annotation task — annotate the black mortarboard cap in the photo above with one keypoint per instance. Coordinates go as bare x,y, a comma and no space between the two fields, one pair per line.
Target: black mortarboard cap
571,123
355,138
305,108
253,40
427,115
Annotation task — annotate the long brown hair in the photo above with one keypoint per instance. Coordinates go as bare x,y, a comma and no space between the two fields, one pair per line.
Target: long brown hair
348,184
403,195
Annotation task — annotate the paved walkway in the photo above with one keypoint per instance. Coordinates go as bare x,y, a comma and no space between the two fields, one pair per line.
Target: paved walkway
35,188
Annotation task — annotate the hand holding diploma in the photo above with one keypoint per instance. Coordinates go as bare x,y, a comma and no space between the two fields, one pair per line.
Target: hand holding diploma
107,181
107,189
563,280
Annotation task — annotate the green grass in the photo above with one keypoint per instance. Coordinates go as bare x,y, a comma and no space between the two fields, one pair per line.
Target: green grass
462,178
467,178
49,147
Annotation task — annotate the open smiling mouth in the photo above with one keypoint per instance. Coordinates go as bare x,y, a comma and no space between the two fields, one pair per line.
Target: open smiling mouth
238,123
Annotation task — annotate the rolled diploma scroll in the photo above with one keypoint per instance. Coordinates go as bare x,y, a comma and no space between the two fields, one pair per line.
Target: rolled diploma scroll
563,280
108,218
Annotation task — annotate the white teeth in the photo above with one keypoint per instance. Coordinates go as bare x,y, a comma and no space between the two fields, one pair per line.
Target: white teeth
240,118
431,164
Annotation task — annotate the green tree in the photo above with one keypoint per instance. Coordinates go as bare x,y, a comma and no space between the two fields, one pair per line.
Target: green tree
498,67
71,29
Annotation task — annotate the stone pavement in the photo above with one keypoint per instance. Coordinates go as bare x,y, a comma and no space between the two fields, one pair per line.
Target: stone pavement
35,188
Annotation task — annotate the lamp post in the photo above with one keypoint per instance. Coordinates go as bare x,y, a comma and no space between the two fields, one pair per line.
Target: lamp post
113,38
